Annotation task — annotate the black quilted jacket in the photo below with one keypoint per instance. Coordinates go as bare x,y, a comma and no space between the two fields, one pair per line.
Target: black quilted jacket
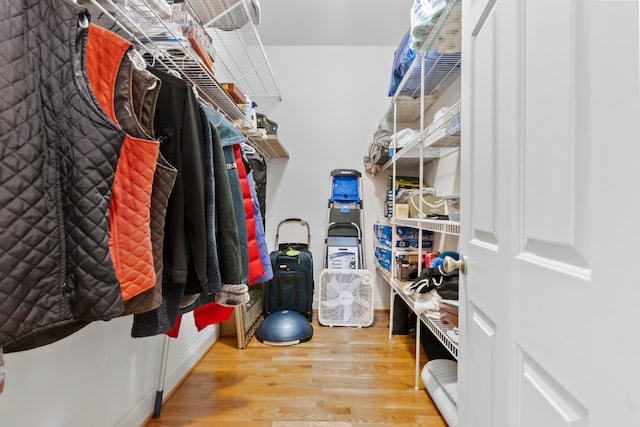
58,154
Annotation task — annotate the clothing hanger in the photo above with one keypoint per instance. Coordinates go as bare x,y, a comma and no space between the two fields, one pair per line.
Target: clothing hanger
175,73
207,104
248,149
154,56
137,60
83,20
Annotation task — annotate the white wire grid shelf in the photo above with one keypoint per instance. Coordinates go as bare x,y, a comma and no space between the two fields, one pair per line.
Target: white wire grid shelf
439,56
438,140
147,25
439,226
251,70
441,330
436,66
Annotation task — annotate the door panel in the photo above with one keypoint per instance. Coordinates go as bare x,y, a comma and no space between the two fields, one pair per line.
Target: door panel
483,335
543,402
481,388
550,140
483,127
550,135
552,222
478,10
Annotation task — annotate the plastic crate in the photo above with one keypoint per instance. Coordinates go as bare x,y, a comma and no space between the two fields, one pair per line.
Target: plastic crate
345,189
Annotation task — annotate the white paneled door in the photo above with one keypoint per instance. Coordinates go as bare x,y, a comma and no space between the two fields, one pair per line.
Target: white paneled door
550,332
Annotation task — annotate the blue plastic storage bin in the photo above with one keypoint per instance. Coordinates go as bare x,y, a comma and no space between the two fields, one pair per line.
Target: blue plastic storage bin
345,189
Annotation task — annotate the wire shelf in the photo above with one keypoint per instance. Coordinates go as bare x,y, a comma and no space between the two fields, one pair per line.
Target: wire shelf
251,71
440,71
439,226
439,56
147,24
441,330
438,140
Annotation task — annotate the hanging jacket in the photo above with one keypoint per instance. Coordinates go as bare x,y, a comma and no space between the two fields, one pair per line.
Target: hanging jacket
135,98
259,172
265,257
256,268
258,184
130,210
230,135
232,291
178,126
58,155
214,278
228,241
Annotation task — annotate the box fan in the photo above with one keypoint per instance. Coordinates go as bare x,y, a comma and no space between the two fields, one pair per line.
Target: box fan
346,297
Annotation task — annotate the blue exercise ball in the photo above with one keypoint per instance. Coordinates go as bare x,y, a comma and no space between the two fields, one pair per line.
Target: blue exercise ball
284,327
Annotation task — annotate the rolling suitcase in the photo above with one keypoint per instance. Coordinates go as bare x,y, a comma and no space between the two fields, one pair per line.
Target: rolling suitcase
292,285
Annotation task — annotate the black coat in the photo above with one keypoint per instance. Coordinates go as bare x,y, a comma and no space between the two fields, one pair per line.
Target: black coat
179,129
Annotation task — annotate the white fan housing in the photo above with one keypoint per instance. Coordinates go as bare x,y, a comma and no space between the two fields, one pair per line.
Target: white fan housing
346,297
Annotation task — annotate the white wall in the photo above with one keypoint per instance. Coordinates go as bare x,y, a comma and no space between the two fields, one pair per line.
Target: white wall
98,377
333,100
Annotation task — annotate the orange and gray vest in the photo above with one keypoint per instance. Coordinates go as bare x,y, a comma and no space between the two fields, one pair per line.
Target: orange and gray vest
130,210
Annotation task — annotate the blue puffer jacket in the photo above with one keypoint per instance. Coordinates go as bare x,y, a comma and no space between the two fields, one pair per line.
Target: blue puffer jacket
260,237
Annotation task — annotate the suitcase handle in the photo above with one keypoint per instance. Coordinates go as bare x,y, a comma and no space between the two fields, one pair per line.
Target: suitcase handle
302,223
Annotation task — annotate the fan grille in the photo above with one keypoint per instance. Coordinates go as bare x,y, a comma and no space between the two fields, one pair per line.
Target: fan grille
346,297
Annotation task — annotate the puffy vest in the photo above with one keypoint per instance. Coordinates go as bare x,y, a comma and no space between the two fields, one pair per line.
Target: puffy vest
130,210
58,156
136,95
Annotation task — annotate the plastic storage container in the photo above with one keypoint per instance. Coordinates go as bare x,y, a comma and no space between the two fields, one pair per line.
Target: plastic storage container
453,207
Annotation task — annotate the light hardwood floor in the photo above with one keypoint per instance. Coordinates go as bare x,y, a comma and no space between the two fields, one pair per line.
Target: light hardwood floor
342,377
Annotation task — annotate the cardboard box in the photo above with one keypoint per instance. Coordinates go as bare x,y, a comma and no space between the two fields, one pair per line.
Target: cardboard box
401,210
234,92
404,264
381,156
197,41
181,15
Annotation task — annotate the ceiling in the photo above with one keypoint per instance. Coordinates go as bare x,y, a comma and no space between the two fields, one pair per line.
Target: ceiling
334,22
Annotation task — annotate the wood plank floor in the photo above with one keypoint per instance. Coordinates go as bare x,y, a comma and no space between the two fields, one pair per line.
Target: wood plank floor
341,377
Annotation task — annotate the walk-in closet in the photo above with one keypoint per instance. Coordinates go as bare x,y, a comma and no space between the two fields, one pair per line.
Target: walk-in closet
349,213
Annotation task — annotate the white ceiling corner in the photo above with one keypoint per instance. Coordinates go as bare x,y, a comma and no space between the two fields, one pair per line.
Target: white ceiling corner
334,22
